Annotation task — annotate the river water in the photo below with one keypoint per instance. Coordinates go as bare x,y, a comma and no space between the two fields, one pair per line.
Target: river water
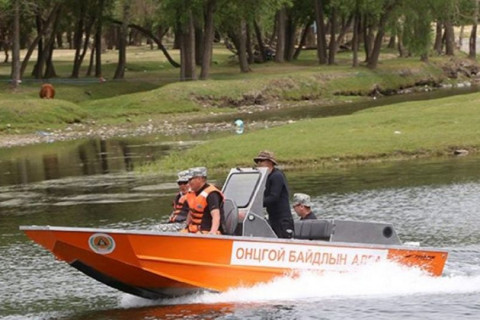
435,202
91,184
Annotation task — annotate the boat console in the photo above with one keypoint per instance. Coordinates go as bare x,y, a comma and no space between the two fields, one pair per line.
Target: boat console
244,215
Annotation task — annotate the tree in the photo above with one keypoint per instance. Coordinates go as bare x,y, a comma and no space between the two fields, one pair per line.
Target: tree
280,32
122,41
386,9
16,76
86,16
340,21
42,27
357,23
209,9
321,32
472,43
180,14
445,14
416,27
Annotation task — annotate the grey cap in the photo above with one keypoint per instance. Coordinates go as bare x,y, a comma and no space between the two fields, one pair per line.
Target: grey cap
183,176
302,198
198,172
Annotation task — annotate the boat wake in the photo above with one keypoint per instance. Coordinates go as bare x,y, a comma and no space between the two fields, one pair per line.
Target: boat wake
382,280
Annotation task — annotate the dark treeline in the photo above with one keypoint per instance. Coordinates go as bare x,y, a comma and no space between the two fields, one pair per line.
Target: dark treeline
255,30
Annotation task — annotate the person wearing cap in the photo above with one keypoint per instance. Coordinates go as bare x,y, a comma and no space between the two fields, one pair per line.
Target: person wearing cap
303,206
276,196
180,204
205,203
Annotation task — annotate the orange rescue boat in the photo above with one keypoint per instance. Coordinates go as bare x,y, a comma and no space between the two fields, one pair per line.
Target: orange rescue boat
154,264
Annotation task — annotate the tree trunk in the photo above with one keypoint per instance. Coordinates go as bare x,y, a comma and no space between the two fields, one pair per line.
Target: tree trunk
16,76
251,58
78,38
29,54
41,31
69,40
438,44
356,37
303,39
199,37
50,70
59,39
373,59
369,37
400,47
332,46
391,42
82,49
45,58
290,36
209,35
122,43
341,35
280,31
91,62
187,51
98,40
449,39
261,45
472,43
242,49
321,34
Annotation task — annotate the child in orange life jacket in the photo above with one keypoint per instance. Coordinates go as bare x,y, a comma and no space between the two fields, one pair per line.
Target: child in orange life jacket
180,204
205,203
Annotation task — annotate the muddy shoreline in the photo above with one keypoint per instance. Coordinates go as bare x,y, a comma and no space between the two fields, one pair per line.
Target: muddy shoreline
151,127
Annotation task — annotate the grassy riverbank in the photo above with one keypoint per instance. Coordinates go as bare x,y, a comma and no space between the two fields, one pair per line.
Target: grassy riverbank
151,99
151,91
405,130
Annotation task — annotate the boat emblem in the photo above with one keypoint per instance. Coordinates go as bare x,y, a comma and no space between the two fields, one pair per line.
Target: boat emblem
101,243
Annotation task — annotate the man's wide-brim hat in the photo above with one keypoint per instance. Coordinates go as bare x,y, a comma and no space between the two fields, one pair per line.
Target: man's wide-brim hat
266,155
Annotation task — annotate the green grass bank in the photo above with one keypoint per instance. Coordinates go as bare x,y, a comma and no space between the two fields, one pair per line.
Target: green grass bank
151,88
400,131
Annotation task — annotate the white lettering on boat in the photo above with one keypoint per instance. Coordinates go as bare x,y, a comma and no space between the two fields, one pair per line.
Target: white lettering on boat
294,256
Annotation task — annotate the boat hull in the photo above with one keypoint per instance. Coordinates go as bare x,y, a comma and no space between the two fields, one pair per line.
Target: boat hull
157,265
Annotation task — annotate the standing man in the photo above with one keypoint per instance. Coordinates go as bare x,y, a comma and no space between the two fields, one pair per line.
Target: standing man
302,206
275,197
205,203
180,205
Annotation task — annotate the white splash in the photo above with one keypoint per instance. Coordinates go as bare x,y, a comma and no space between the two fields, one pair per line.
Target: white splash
382,280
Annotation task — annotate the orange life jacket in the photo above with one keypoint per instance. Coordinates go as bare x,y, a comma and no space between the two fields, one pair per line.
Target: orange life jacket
177,207
197,205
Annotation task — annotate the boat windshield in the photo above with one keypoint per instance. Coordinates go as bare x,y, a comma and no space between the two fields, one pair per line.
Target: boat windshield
241,186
